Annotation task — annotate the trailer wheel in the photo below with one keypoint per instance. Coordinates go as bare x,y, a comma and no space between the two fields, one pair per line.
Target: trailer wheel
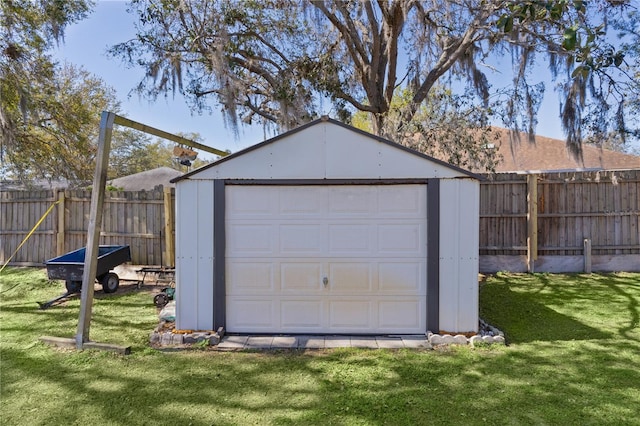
110,282
73,286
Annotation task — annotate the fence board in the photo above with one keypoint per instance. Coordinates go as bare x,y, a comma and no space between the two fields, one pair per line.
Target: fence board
572,206
503,215
129,218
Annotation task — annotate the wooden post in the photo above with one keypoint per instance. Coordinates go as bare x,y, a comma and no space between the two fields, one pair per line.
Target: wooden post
587,255
532,221
169,254
93,234
60,237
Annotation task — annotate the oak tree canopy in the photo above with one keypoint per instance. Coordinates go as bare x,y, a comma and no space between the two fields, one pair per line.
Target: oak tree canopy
282,62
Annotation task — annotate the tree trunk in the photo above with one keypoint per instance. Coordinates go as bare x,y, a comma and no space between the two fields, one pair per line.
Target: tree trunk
377,124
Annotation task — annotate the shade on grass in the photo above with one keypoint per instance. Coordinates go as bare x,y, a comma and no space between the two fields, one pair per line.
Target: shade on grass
573,358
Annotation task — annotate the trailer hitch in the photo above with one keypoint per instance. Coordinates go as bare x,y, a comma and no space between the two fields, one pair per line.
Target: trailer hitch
50,303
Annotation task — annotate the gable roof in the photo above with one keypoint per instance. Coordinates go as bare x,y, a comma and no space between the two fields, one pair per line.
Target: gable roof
327,149
548,154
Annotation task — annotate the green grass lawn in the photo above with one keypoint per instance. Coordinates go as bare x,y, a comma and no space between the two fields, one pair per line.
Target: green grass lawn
573,358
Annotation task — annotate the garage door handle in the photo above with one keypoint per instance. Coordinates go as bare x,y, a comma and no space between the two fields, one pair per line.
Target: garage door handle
325,281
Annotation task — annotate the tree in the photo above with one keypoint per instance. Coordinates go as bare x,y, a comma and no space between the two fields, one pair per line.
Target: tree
134,152
28,30
611,126
62,141
629,32
447,126
58,139
50,113
277,61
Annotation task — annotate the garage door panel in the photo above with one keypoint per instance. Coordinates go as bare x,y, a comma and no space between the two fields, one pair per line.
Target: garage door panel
403,314
406,238
402,277
402,201
350,314
296,314
251,277
301,278
350,239
350,278
245,314
352,200
250,239
306,238
250,202
301,202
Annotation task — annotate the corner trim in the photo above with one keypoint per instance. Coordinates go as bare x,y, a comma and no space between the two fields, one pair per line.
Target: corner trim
219,247
433,255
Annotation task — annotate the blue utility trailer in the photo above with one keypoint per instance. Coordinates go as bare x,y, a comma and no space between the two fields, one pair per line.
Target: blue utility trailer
70,268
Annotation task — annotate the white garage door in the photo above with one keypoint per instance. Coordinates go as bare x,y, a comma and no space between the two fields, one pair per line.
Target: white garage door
326,259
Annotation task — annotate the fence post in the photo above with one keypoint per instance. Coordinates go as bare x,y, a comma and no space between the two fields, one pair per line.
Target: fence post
60,234
169,254
587,255
532,221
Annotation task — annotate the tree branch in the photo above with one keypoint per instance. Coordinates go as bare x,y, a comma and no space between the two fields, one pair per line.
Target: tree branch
356,55
449,56
260,112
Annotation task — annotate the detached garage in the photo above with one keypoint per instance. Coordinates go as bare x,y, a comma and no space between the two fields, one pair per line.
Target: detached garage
327,230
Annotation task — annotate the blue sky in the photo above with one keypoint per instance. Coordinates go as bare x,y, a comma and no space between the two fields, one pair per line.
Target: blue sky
86,44
87,41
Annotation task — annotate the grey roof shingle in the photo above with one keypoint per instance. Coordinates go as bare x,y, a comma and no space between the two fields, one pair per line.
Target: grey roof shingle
147,180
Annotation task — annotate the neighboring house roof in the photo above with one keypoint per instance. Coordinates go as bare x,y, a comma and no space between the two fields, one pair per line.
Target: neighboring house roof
327,149
548,154
147,180
36,185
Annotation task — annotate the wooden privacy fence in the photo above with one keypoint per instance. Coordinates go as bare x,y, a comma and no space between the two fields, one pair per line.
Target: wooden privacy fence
561,222
556,222
143,220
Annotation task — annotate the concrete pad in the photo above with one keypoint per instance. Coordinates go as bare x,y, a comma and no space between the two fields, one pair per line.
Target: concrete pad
337,342
284,342
416,342
259,342
389,342
233,342
364,342
311,342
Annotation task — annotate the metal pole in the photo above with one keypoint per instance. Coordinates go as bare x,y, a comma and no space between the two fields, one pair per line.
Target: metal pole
95,223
